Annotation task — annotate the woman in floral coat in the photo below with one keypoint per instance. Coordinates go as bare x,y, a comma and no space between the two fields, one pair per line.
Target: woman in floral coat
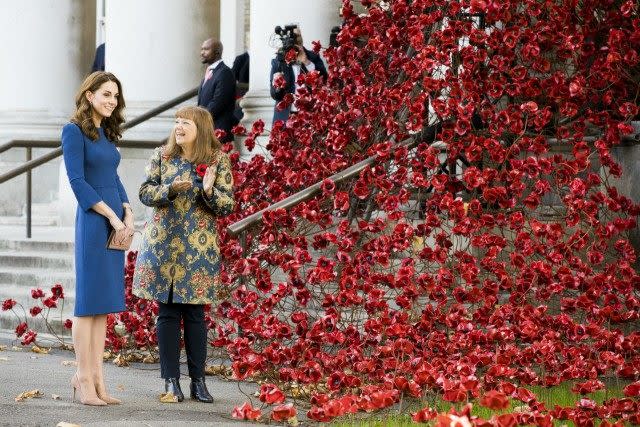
179,262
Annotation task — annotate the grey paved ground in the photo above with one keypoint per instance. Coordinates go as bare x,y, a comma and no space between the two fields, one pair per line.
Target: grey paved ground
138,386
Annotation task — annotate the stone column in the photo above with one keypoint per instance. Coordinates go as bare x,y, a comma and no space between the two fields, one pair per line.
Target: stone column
47,49
315,19
153,47
232,29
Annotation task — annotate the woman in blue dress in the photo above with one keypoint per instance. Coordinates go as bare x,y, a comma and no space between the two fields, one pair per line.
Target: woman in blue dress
91,160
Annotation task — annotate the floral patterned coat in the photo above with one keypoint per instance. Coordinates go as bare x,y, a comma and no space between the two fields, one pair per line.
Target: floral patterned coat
180,243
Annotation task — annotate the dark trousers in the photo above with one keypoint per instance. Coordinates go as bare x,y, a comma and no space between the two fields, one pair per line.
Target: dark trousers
195,338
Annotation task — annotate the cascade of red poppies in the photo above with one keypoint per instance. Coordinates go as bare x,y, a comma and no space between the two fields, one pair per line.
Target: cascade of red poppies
490,254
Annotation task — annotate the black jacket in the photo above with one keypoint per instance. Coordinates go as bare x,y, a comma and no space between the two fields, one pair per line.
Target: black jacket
287,71
218,96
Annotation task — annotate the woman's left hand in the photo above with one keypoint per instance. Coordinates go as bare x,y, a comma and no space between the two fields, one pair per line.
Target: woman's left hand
208,180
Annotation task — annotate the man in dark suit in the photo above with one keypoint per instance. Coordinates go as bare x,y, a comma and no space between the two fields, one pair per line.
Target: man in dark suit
240,70
217,91
306,61
98,60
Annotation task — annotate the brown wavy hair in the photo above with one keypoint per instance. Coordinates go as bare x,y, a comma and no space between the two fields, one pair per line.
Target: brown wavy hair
206,144
83,116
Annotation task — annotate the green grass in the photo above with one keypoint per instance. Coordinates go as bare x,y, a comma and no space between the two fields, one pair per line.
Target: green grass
401,417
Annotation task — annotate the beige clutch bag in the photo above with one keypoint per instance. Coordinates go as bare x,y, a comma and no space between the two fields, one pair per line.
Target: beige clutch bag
120,245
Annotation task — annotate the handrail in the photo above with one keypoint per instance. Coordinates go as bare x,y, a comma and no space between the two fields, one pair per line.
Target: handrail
161,108
58,151
55,143
34,163
305,194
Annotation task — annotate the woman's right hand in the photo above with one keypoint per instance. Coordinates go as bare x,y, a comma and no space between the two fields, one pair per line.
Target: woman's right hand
122,231
178,185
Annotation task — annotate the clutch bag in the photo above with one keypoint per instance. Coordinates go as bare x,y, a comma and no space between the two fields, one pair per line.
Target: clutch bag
118,244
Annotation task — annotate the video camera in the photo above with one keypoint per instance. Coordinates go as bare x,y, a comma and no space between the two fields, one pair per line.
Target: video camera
287,37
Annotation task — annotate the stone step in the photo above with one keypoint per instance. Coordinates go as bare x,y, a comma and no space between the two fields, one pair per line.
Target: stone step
45,209
44,260
35,220
29,245
8,322
42,214
22,295
37,277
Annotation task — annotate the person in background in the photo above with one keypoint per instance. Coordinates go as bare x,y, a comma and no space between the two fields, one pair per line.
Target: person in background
240,70
91,160
189,185
98,60
306,61
217,91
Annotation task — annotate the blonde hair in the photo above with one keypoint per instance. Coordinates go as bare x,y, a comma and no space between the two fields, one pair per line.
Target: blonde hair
206,144
83,116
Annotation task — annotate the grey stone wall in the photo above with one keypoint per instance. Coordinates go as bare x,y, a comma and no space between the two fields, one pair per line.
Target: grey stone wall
629,184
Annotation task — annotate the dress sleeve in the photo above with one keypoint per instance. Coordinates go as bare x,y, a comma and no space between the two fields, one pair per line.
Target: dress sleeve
152,191
221,201
73,155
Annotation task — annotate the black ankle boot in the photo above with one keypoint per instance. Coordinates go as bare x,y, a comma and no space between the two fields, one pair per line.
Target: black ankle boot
199,391
172,385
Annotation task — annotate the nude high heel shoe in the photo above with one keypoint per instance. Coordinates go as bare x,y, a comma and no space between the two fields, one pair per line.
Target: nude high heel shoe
109,400
91,401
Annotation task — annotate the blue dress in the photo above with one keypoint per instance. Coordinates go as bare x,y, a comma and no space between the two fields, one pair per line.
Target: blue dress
92,171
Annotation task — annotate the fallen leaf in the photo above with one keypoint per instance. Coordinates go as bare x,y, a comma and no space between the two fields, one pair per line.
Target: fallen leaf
69,363
168,398
55,397
149,359
40,350
28,395
63,424
133,357
3,347
106,355
4,359
215,370
120,360
293,421
120,387
300,392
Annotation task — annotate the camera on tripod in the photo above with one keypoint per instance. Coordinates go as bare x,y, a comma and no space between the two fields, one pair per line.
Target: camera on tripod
287,37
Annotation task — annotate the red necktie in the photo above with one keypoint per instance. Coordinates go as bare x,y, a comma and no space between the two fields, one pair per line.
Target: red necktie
208,74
